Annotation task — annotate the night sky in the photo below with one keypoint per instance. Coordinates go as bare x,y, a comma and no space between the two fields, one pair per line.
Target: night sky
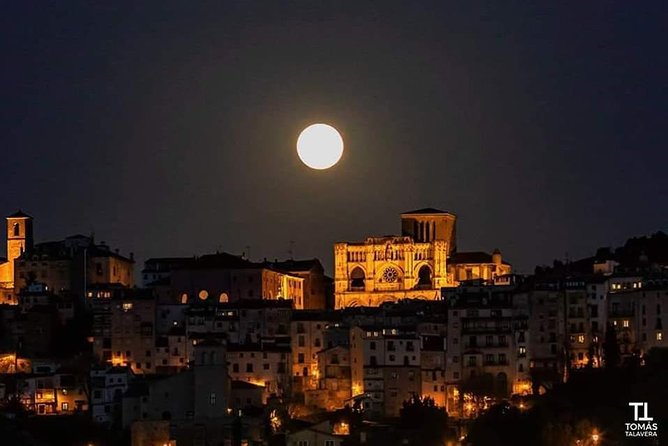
169,128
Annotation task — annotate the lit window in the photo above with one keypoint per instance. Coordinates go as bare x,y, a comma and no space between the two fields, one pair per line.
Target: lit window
625,323
127,306
203,294
581,339
659,336
65,406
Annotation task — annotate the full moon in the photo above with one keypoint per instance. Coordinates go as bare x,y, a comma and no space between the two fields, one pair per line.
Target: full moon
320,146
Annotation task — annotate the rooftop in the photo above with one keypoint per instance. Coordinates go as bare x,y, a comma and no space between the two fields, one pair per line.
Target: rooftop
425,211
19,214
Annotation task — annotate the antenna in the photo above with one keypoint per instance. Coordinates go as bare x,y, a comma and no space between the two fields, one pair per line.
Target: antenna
248,248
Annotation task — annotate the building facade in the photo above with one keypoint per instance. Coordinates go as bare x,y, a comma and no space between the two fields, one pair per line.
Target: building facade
415,265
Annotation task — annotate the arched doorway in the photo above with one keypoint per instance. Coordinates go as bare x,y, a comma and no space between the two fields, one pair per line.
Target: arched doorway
424,277
357,278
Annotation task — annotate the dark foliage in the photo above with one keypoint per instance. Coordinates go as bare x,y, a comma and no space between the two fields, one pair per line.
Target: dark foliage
429,422
611,347
593,400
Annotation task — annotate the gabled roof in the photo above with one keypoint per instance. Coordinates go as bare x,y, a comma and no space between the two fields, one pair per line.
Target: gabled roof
19,214
426,211
221,260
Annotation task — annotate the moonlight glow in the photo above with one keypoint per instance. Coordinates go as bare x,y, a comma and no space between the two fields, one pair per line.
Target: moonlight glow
320,146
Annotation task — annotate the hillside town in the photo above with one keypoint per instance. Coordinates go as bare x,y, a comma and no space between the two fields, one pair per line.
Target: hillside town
220,349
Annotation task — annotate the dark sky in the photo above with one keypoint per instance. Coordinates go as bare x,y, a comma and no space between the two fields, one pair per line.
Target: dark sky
169,128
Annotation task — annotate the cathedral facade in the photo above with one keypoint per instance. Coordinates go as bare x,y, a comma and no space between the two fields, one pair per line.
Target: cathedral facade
414,265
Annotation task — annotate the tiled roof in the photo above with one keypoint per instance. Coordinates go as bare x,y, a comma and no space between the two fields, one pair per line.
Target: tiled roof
222,260
19,214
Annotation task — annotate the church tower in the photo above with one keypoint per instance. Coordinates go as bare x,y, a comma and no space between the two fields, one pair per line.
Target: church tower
427,225
19,240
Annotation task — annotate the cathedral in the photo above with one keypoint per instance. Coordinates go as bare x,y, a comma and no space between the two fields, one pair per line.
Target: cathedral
414,265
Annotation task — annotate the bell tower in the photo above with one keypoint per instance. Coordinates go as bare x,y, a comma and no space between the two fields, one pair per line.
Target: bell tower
428,225
19,239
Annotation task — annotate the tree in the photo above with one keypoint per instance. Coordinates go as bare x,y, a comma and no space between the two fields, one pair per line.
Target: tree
611,347
501,425
429,421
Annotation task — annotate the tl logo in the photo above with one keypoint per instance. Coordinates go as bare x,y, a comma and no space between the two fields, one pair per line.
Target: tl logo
643,425
636,407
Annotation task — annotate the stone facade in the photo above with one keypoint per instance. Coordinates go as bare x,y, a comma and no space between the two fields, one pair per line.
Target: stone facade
415,265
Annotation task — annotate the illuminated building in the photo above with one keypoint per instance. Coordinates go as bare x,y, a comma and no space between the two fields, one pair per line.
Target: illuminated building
223,277
487,341
580,341
71,265
264,364
245,321
19,240
325,433
199,394
124,327
334,388
385,367
306,340
432,367
52,394
315,285
415,265
637,314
